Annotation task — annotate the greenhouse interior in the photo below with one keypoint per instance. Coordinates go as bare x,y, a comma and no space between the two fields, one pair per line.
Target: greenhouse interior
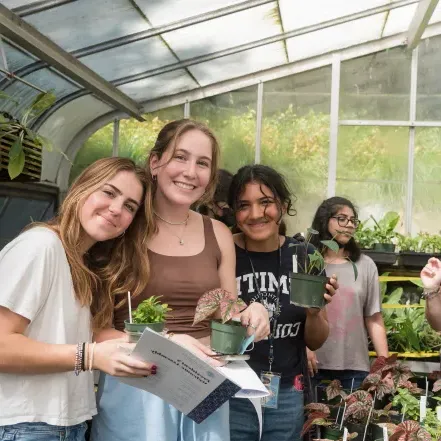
342,97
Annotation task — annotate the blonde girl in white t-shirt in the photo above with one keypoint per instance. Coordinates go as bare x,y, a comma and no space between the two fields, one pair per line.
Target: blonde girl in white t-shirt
58,280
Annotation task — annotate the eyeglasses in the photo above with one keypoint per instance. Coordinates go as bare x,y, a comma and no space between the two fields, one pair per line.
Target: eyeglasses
344,221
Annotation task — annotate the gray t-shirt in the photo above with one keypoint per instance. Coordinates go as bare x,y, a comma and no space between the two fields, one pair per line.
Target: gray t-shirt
347,344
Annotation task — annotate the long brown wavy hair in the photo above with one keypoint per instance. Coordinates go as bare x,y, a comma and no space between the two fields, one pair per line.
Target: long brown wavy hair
169,137
111,267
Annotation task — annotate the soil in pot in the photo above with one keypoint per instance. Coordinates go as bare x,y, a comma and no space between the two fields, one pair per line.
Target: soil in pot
307,290
227,338
135,330
359,428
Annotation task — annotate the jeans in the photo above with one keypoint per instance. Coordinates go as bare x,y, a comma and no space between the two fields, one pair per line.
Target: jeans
281,424
42,432
126,413
345,377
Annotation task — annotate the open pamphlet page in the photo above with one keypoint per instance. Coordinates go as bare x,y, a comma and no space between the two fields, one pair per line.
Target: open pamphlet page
189,383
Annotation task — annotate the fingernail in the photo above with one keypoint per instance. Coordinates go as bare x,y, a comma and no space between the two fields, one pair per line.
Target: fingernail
153,372
154,366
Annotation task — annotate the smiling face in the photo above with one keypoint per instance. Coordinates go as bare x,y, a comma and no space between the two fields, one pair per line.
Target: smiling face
342,234
183,173
108,211
258,213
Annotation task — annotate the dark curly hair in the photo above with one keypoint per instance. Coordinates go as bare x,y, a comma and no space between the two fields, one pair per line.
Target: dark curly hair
263,175
325,211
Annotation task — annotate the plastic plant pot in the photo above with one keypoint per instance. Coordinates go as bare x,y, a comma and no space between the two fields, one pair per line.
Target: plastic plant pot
227,338
307,290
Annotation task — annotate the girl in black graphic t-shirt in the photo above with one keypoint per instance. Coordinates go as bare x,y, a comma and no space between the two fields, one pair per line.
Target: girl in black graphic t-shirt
259,197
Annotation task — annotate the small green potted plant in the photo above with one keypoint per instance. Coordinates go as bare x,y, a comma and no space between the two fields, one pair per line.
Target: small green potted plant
384,232
150,313
309,286
227,334
416,251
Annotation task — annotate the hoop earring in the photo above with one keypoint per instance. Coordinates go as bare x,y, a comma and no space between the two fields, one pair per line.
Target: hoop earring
121,235
154,178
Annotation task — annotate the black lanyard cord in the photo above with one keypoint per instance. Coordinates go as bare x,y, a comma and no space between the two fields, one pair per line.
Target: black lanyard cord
276,313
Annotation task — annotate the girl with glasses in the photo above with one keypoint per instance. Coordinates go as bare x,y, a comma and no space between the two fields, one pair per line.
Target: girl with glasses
355,311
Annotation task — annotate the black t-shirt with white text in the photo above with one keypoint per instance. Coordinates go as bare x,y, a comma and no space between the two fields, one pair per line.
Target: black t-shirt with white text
289,341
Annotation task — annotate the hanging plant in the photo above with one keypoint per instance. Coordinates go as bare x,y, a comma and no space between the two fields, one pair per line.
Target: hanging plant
21,147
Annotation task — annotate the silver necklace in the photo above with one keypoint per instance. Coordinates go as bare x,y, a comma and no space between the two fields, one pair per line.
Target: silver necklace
172,223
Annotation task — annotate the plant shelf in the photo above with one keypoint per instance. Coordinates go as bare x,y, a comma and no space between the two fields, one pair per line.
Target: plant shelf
410,354
397,278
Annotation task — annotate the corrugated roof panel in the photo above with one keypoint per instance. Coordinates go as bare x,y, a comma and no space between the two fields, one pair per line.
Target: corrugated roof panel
224,32
130,59
83,23
159,86
336,37
239,64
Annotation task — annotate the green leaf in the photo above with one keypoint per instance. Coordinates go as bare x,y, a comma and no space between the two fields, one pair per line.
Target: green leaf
16,149
16,165
331,244
354,267
312,231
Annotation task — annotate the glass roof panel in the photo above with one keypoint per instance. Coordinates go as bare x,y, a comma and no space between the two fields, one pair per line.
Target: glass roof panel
83,22
296,16
160,12
159,86
15,58
23,94
399,20
335,37
239,64
130,59
224,32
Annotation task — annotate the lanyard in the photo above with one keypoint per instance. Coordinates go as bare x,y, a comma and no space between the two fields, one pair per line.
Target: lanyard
276,313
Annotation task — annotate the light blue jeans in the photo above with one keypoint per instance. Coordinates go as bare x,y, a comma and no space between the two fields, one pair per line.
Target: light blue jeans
282,424
127,413
42,432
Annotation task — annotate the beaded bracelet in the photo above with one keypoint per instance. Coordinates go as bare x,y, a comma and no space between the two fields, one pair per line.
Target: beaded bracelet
78,359
83,357
429,294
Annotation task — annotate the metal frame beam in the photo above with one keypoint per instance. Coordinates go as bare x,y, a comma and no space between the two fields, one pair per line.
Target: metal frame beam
259,120
39,6
419,22
333,125
17,30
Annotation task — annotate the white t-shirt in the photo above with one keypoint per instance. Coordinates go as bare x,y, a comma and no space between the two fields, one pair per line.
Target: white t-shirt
35,282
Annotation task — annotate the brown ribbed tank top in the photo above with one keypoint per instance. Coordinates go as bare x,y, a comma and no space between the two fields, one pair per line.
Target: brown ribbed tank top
180,280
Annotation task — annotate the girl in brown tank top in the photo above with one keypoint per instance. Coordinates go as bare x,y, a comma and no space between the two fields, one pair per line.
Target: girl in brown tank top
188,254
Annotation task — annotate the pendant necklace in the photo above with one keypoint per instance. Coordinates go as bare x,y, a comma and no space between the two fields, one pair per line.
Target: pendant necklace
181,240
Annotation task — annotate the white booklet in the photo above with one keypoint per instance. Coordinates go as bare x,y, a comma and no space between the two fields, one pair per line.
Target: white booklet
189,383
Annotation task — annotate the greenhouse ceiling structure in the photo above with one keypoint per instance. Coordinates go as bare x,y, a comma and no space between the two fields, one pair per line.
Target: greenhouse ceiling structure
107,60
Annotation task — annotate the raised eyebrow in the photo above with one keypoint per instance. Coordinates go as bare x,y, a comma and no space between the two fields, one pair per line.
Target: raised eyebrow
120,193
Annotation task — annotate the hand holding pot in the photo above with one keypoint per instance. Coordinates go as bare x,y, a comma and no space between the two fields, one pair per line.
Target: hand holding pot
113,357
256,319
431,274
198,348
331,288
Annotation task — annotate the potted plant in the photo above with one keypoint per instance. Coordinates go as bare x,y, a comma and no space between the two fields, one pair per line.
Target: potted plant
319,414
308,286
20,147
227,334
410,431
416,251
150,313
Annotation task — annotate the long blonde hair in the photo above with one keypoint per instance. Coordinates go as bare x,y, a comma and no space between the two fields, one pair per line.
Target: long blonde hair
169,136
111,267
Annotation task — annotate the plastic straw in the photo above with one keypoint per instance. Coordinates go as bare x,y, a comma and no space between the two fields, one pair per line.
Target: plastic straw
130,306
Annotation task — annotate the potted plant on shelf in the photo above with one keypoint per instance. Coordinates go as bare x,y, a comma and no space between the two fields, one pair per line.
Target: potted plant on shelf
410,431
308,286
150,313
416,251
227,334
21,147
319,414
378,242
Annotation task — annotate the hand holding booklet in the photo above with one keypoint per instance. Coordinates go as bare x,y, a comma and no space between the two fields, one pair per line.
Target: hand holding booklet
189,383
